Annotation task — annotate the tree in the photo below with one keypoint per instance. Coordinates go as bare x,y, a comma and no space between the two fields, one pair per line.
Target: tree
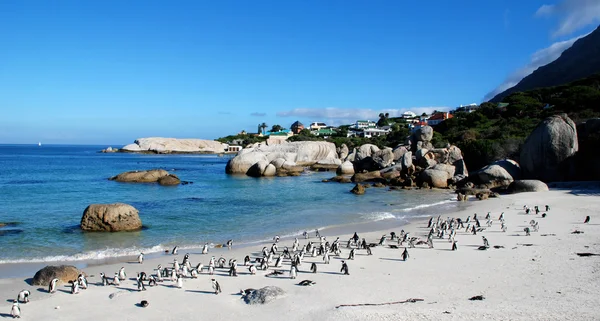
383,119
263,126
276,128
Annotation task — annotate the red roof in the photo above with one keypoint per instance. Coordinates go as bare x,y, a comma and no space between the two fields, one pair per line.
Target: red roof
441,116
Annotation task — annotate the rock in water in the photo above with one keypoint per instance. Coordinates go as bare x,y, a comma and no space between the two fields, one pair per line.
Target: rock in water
64,274
149,176
173,145
527,185
169,180
347,168
358,189
111,218
264,295
545,151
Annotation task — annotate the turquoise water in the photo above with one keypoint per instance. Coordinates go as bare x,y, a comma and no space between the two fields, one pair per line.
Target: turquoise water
44,191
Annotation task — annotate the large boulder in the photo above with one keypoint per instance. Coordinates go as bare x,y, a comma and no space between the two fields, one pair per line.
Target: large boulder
163,145
546,151
258,169
434,178
446,168
347,168
424,134
358,189
64,274
374,176
364,151
169,180
399,152
343,151
263,295
150,176
500,173
454,155
111,218
527,185
406,161
383,158
297,153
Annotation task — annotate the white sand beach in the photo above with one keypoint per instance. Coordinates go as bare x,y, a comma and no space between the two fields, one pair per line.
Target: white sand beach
536,277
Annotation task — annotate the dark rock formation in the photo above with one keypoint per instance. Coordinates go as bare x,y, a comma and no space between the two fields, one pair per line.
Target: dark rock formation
110,218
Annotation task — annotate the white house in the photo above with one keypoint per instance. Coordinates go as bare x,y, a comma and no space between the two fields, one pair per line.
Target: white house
317,125
361,124
375,132
409,115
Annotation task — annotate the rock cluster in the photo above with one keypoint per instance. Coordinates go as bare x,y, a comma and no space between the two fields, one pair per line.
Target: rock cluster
263,295
162,145
64,274
111,218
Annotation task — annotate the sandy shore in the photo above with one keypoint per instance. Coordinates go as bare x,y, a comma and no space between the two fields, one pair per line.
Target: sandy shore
536,277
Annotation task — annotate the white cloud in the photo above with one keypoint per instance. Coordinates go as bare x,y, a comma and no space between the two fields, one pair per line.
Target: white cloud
572,14
340,116
539,58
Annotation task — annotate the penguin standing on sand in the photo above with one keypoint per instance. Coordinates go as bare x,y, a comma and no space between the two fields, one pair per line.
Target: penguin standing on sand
152,281
140,283
454,247
116,280
216,286
141,258
587,219
485,241
121,274
430,221
205,249
15,311
52,285
313,267
344,268
180,281
501,218
229,244
382,240
252,269
351,256
159,273
326,257
23,296
74,287
293,272
369,251
527,231
247,260
405,254
176,266
547,208
82,281
175,250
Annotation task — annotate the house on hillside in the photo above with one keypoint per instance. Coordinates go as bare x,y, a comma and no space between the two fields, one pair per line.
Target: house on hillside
297,127
438,117
466,108
317,126
324,132
362,124
409,115
375,132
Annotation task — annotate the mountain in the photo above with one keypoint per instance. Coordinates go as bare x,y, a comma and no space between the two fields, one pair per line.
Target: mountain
579,61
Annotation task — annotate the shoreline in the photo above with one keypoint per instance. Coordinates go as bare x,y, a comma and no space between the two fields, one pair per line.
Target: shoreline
523,279
27,268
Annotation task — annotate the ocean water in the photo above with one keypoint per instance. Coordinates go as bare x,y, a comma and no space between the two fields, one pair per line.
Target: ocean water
44,191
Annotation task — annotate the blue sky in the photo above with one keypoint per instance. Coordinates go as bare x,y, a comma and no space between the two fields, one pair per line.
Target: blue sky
108,72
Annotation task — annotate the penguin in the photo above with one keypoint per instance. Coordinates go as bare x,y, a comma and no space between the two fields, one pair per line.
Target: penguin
175,250
82,281
305,234
229,244
140,283
159,273
279,262
314,251
503,227
212,262
176,266
369,251
180,281
526,230
116,280
293,271
326,257
52,286
587,219
194,273
74,287
141,258
143,276
15,311
430,243
216,286
121,274
307,283
405,254
430,221
185,271
23,296
252,269
144,304
199,267
351,256
501,218
211,270
454,247
276,238
382,240
152,281
186,257
547,208
205,249
344,268
247,260
221,262
393,235
485,242
174,275
313,267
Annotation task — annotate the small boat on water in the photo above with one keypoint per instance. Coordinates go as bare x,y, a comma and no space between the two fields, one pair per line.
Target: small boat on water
39,143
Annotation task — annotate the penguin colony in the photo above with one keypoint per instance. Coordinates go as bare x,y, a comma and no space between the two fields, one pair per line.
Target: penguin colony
272,259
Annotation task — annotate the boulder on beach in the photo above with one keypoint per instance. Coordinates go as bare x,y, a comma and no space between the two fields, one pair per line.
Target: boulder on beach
163,145
111,218
373,176
527,185
358,189
546,150
347,168
64,274
263,295
499,173
434,178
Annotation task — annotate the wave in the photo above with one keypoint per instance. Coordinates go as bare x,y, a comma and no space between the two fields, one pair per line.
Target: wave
379,216
108,253
426,205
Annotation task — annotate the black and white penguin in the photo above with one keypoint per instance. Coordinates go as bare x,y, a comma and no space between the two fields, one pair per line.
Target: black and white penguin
205,249
176,266
344,268
143,276
305,234
587,219
82,281
405,254
152,281
485,241
351,256
527,231
199,267
369,251
317,234
247,260
23,296
382,240
454,247
216,286
501,218
393,235
74,287
194,273
313,267
252,269
293,271
15,311
326,258
211,270
52,286
229,244
116,280
430,222
547,208
175,250
307,283
279,261
276,238
122,275
140,283
141,258
180,281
